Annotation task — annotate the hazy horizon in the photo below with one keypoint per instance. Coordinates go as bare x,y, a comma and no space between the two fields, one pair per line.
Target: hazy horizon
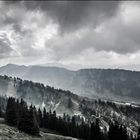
71,68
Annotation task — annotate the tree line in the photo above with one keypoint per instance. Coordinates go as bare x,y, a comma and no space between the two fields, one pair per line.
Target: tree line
30,120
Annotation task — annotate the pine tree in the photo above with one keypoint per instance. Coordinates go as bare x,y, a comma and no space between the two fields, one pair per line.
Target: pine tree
97,132
138,135
70,104
32,123
45,119
117,131
40,118
27,120
22,115
1,112
73,127
54,120
11,112
123,133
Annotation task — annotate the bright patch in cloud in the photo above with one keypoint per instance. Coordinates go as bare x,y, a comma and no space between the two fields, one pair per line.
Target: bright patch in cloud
43,35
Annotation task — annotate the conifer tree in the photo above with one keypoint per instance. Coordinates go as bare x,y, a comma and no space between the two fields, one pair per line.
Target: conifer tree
32,123
27,120
70,104
0,112
45,118
138,135
11,112
40,118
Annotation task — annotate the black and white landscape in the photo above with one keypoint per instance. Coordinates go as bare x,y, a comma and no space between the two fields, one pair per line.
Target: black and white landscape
69,70
110,84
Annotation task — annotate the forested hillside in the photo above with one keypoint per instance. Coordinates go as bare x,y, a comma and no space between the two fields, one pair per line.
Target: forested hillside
66,102
113,84
29,119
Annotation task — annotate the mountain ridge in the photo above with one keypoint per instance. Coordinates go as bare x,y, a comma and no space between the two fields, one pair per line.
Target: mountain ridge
111,84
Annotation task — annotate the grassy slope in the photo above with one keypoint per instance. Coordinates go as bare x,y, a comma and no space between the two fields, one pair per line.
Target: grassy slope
12,133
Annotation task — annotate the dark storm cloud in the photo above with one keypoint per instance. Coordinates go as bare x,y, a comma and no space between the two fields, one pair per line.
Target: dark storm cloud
71,31
71,15
75,14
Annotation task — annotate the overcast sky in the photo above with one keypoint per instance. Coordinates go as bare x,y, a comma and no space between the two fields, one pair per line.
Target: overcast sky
103,34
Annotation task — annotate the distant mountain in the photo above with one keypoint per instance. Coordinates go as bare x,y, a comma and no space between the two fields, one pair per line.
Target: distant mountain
113,84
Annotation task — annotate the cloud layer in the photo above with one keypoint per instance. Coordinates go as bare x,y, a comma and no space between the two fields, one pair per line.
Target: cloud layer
80,34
